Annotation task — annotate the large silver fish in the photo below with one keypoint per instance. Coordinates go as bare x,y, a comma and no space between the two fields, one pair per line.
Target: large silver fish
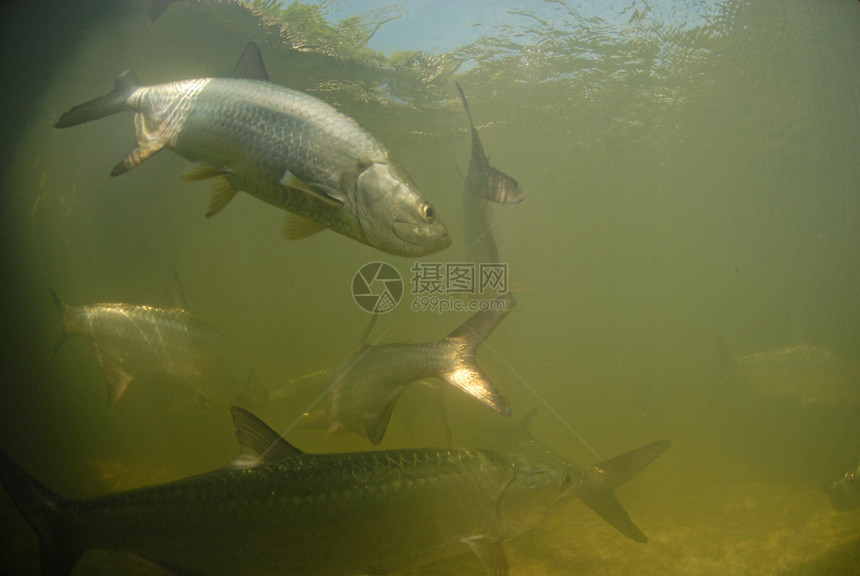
162,345
284,147
483,183
279,511
804,373
367,385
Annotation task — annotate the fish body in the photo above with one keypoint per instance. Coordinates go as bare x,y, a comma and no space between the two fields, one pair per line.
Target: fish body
483,184
429,395
279,511
367,385
809,374
844,491
282,146
162,345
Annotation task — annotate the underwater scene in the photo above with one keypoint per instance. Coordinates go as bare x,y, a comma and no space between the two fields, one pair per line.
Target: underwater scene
371,287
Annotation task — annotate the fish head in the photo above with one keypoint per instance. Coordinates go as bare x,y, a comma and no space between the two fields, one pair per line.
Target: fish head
393,215
536,488
844,491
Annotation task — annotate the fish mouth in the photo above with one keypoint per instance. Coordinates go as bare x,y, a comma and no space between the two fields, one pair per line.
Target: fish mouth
420,240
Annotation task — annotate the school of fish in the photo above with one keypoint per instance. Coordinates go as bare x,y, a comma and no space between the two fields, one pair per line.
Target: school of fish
276,509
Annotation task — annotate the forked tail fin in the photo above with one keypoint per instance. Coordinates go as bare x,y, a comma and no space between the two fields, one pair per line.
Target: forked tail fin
603,478
497,186
464,373
40,508
61,309
111,103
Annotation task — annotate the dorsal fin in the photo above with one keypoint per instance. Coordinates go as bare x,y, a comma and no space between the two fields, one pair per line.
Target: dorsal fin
175,293
465,104
370,325
260,444
250,65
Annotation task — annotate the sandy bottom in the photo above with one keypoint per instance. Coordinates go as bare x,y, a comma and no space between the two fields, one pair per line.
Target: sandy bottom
735,524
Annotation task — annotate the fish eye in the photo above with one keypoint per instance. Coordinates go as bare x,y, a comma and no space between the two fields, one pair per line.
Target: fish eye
427,212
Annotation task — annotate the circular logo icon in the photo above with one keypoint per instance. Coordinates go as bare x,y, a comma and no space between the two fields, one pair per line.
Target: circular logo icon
377,287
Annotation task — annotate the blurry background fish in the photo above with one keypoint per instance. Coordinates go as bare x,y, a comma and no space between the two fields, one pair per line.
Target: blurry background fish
483,184
801,372
162,345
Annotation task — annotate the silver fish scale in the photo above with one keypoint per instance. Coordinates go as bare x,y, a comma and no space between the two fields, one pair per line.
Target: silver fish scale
311,514
368,379
147,337
165,107
257,128
166,342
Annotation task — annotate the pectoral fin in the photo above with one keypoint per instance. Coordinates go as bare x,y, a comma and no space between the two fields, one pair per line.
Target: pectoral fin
175,293
324,194
117,377
491,553
298,227
222,193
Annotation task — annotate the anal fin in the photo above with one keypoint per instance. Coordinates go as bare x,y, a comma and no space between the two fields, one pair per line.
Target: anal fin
117,377
222,193
491,553
376,426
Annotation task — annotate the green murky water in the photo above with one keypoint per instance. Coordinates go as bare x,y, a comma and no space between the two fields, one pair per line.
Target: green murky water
691,179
